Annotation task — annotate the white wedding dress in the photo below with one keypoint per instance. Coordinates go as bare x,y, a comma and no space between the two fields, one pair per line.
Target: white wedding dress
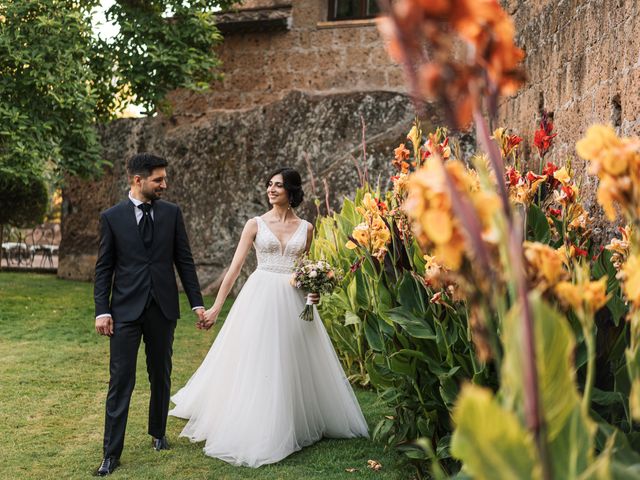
271,382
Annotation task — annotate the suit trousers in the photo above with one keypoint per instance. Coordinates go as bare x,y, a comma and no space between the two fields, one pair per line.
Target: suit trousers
157,332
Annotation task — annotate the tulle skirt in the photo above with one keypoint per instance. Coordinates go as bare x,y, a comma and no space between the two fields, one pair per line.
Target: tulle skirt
271,382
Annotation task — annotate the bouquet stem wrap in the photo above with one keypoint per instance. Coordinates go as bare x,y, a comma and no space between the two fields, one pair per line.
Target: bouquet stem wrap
307,312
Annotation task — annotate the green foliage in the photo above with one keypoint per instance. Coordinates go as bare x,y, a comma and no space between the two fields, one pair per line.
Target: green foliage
568,432
161,45
492,449
415,353
537,225
47,101
611,399
24,202
58,79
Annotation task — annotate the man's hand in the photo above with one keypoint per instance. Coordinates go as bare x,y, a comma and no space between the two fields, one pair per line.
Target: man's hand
210,317
314,298
200,313
104,326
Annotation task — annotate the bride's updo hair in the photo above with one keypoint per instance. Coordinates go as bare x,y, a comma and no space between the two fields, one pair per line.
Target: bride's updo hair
292,184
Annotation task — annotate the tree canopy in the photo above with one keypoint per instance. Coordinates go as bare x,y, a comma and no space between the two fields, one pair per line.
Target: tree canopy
58,79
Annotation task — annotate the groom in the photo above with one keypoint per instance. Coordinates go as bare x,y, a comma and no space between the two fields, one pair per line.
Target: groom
136,297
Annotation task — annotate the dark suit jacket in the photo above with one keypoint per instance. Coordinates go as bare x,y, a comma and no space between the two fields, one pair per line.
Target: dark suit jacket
126,270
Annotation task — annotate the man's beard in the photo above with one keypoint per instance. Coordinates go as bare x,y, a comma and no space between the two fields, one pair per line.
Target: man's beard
152,195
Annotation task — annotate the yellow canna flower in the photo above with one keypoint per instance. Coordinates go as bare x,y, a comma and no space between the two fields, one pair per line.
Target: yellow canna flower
590,296
415,136
370,205
400,183
361,234
372,234
595,294
562,176
438,225
616,161
544,264
429,208
569,294
630,275
620,247
599,138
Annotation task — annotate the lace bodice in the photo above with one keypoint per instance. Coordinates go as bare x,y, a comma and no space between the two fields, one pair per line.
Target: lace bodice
272,255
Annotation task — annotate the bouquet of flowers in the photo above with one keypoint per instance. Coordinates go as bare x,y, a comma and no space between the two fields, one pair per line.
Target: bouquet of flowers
314,277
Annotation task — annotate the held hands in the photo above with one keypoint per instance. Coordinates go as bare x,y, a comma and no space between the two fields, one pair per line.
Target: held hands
208,318
104,326
200,314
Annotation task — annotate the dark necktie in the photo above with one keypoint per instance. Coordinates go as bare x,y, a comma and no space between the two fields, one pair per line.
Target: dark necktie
146,225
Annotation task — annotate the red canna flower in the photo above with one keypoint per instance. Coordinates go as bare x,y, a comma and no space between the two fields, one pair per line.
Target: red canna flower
549,170
512,176
581,252
569,192
556,212
512,142
543,136
532,177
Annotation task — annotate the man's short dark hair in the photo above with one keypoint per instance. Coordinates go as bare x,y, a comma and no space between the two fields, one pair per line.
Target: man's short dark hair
144,163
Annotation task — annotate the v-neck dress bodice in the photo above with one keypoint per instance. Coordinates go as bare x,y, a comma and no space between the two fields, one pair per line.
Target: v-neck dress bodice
272,255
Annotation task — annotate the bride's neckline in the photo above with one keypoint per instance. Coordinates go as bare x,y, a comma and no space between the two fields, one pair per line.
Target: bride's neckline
283,248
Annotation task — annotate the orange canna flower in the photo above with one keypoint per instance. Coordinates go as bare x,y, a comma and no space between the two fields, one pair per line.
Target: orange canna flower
400,160
630,276
616,161
544,265
589,296
493,63
429,207
620,247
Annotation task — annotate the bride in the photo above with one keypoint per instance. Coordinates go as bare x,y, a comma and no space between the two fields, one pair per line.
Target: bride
271,382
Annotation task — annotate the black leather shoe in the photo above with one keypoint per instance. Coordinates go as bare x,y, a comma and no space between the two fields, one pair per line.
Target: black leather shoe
160,443
108,465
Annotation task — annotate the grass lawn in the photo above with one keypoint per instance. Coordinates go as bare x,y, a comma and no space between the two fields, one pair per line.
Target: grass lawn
53,383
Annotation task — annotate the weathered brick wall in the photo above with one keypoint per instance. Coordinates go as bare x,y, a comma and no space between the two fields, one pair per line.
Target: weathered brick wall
313,56
583,64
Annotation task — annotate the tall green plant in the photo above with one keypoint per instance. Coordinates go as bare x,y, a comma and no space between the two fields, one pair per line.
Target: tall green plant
393,332
58,79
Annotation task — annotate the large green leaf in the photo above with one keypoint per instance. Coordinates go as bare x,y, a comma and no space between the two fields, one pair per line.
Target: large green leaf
415,326
373,334
490,440
608,467
537,225
569,430
410,295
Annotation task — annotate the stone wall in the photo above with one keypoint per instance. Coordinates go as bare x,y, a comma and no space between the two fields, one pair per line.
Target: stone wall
301,90
583,64
218,167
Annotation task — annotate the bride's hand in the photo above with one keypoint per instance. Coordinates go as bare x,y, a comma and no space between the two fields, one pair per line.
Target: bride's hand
314,298
210,317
